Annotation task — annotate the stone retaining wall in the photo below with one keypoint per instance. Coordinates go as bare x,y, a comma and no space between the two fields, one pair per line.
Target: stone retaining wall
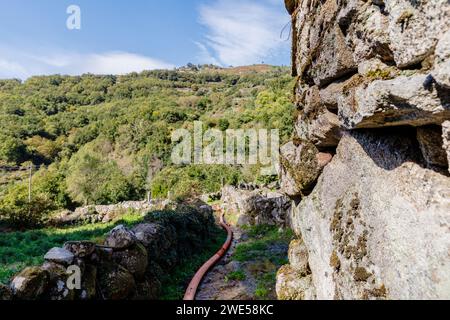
131,263
368,167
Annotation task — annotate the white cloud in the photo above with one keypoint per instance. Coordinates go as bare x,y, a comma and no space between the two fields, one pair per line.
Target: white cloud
15,63
241,32
10,69
205,55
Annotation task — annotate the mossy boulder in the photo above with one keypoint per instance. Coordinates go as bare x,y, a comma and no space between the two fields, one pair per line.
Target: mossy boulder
298,256
134,259
115,282
80,249
148,289
120,238
30,284
292,285
88,283
5,293
301,164
57,288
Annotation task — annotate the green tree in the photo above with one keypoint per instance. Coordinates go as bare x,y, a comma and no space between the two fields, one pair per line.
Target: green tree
12,149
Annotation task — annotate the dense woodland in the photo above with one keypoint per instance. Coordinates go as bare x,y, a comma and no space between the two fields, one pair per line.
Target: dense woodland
106,139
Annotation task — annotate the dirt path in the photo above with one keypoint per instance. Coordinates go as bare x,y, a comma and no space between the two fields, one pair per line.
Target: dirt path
250,273
216,286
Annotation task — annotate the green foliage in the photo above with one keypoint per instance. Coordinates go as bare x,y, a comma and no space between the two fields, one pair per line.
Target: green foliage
261,237
19,211
190,180
93,179
50,183
21,249
265,285
263,254
238,275
102,134
12,149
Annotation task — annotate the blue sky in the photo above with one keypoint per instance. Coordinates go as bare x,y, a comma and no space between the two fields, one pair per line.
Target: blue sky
123,36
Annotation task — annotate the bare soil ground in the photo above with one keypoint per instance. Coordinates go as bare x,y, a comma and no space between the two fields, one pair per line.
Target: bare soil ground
248,270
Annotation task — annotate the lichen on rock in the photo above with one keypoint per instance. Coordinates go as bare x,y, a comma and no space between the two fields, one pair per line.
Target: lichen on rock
373,91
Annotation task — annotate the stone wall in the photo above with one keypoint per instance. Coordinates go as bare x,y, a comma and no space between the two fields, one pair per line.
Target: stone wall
254,206
132,263
105,213
368,168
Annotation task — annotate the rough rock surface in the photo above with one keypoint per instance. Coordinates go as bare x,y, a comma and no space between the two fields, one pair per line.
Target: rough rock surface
80,249
441,71
5,293
116,282
415,28
59,255
293,285
57,283
446,140
364,222
431,144
322,129
375,223
255,207
30,284
120,238
134,259
146,232
416,100
298,256
301,165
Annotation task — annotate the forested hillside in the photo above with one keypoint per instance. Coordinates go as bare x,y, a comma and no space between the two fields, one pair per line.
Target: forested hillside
106,139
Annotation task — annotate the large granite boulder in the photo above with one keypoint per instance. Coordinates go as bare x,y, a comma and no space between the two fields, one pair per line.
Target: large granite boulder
30,284
255,207
415,100
120,238
134,259
60,256
301,164
415,28
376,225
5,293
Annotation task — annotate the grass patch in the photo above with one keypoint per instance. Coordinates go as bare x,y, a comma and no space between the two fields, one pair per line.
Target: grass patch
175,284
238,275
266,285
21,249
261,238
264,253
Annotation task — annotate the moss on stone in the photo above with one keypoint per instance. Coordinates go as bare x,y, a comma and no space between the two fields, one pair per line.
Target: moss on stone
381,74
334,261
361,274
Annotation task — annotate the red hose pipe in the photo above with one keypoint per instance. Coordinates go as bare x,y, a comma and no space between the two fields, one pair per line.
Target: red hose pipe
198,277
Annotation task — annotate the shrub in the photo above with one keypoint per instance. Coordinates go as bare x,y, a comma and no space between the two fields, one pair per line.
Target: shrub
19,212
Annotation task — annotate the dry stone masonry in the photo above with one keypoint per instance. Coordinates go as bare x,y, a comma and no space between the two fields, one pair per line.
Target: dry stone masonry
369,166
132,263
256,206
